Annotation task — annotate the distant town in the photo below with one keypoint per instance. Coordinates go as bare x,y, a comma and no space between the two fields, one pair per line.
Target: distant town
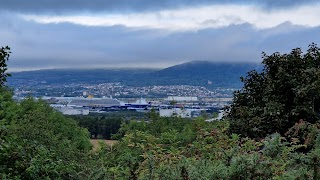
118,90
81,99
188,90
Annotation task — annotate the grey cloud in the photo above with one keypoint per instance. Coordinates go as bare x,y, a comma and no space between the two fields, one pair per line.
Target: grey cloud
68,6
60,6
67,45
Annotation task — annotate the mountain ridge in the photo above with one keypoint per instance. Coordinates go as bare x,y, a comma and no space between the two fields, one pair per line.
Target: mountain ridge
197,73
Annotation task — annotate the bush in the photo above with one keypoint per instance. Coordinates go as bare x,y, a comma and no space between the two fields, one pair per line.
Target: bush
38,142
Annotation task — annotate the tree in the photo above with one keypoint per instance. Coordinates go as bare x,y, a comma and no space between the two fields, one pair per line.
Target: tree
4,57
36,142
286,91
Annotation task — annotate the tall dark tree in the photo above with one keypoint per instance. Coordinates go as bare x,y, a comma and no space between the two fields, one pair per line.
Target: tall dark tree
286,91
4,57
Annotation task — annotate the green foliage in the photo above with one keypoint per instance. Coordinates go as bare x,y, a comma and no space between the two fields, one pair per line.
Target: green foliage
149,153
37,142
212,153
166,128
287,90
4,57
99,126
303,133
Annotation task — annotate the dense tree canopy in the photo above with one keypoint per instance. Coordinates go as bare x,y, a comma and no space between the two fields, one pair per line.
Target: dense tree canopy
4,57
285,92
99,126
175,148
37,142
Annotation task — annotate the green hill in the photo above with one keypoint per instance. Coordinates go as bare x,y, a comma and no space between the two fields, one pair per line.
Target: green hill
191,73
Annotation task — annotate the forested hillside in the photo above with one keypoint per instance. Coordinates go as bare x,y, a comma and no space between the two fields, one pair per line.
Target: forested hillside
272,132
196,73
200,72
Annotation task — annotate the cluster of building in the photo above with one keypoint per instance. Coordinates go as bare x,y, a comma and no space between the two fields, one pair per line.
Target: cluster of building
119,90
186,107
171,100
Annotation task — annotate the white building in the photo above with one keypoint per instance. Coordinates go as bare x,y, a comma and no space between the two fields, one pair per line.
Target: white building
184,113
181,98
71,110
221,114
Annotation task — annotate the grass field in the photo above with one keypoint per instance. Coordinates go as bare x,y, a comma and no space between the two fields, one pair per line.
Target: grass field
96,145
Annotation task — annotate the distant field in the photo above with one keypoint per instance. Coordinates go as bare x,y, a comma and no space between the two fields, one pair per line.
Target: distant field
96,145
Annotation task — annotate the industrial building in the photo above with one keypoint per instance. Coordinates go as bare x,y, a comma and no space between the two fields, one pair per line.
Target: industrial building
181,98
94,102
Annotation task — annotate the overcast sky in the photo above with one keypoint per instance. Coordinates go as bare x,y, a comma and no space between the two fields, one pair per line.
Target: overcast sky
152,33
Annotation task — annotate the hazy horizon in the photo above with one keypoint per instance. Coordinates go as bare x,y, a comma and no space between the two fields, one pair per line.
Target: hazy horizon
13,70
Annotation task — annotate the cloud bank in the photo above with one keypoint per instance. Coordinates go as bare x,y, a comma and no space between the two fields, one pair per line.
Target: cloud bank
124,6
195,18
156,34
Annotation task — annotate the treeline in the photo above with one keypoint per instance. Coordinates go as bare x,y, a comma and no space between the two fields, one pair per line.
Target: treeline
99,126
106,125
